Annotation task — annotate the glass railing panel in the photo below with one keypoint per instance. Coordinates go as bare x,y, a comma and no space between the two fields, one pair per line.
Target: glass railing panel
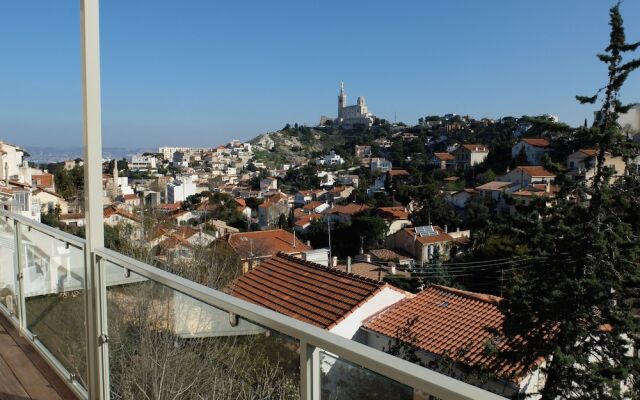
53,284
164,344
8,267
343,380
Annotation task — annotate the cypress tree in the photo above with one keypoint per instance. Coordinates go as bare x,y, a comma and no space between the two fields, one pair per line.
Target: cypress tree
576,311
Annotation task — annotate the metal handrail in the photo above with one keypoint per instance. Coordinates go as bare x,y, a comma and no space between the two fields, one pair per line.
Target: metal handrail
389,366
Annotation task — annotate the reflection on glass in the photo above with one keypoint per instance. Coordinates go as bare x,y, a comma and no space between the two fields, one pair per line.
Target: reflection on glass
164,344
53,277
342,380
8,269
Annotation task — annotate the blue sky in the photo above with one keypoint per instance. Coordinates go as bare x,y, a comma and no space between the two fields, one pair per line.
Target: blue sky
203,72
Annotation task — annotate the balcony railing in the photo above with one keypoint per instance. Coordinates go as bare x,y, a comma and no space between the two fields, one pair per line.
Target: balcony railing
169,336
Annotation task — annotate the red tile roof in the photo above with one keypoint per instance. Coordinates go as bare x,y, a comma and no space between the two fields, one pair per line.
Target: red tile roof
64,217
444,156
45,180
393,213
305,291
264,243
476,148
399,172
536,171
349,209
537,142
454,323
441,236
311,205
387,255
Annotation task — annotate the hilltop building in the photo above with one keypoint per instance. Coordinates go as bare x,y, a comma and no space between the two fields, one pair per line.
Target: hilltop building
351,116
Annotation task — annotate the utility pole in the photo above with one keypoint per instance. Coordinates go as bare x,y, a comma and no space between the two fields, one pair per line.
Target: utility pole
329,235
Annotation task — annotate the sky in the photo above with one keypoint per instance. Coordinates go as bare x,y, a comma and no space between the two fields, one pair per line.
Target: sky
202,72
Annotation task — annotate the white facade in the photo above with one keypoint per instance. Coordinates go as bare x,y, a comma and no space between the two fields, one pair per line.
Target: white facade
331,159
380,165
631,119
180,189
143,162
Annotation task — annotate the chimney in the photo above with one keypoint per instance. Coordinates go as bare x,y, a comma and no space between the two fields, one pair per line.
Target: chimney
367,258
294,238
393,269
446,229
349,264
309,243
334,261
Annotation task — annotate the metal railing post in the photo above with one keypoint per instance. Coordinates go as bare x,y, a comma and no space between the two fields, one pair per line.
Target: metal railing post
96,358
19,278
309,371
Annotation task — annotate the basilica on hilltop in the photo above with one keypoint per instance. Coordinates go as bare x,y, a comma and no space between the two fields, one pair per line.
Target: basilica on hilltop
351,116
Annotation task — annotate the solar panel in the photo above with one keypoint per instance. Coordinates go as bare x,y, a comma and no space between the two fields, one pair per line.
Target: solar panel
426,231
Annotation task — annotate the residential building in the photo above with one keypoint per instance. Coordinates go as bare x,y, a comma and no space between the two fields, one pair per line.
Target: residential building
267,184
443,161
363,151
630,120
331,159
180,189
396,218
389,257
470,155
460,198
269,213
315,207
458,325
344,213
496,190
143,163
254,247
423,243
44,181
582,164
325,297
50,200
526,175
380,165
534,150
348,180
339,193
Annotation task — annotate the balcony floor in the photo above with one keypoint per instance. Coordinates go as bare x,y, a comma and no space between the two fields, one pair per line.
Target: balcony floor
23,373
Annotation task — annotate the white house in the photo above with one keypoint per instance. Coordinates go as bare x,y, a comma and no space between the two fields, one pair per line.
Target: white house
380,165
456,324
533,148
331,159
469,155
314,300
526,175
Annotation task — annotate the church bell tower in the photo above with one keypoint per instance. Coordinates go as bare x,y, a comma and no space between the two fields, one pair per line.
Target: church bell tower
342,100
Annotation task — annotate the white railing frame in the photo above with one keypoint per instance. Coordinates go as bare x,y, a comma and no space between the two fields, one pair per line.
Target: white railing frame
312,339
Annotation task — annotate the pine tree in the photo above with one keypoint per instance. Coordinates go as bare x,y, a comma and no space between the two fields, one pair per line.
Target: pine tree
577,310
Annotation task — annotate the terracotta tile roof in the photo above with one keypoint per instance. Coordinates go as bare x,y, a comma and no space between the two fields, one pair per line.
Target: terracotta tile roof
536,171
476,148
387,255
589,152
444,156
368,270
240,201
393,213
399,172
64,217
45,180
494,185
174,241
264,243
305,219
454,323
441,236
305,291
537,142
451,179
311,205
171,206
130,197
348,209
